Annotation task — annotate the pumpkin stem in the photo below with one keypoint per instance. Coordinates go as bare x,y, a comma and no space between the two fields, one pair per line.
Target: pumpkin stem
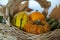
36,10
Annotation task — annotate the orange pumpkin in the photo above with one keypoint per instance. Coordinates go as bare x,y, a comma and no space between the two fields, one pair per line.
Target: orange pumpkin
37,29
36,16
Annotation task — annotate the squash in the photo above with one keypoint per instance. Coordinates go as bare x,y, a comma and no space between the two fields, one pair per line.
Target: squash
2,20
36,16
54,26
37,29
53,23
20,19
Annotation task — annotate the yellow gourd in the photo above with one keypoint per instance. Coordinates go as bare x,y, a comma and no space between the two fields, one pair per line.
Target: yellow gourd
20,19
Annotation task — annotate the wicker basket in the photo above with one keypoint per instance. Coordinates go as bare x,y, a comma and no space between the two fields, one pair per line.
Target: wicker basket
17,34
21,35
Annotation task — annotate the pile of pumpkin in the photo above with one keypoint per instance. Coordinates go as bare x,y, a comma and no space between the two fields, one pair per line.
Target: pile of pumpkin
34,23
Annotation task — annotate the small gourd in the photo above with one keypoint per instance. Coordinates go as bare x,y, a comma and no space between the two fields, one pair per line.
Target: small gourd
53,23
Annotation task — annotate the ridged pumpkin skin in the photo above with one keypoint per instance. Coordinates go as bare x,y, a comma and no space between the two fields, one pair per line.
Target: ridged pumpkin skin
37,29
36,16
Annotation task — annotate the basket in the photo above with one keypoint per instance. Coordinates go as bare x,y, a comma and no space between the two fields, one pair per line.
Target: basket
12,33
21,35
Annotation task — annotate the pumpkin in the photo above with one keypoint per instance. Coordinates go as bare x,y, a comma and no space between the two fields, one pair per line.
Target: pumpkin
36,16
36,29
